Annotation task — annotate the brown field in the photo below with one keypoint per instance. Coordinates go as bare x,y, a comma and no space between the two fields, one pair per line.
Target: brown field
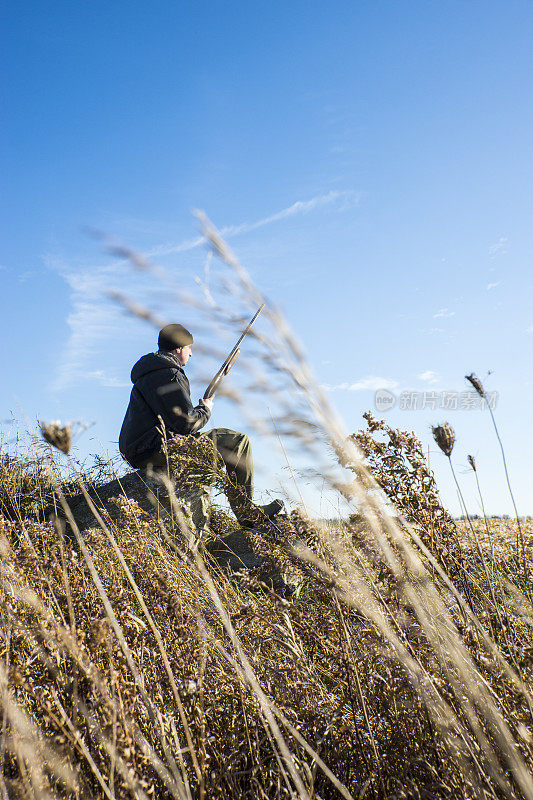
501,534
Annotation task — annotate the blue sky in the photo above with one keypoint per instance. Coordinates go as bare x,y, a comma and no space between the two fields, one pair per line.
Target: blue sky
369,162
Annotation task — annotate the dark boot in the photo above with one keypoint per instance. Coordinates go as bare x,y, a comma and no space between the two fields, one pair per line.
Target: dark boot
255,516
272,509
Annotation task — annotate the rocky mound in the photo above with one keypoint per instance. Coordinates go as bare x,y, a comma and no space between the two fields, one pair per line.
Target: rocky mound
230,552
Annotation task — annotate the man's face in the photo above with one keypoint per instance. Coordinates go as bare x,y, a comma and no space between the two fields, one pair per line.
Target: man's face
183,354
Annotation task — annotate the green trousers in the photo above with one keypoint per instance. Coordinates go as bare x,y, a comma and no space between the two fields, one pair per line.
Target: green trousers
236,452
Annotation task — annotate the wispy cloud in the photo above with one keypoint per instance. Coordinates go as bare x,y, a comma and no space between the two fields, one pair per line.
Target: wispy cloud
530,329
95,322
443,312
498,248
23,277
340,199
343,199
371,383
107,380
492,285
429,376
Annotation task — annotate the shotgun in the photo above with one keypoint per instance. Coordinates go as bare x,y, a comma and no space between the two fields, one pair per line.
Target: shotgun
231,359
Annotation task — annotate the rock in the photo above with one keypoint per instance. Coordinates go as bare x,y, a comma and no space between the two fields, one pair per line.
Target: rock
151,495
232,553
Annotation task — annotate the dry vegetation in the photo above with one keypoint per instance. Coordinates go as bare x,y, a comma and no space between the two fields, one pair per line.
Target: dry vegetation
498,535
131,667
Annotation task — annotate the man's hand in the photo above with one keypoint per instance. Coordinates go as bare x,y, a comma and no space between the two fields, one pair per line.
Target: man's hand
207,403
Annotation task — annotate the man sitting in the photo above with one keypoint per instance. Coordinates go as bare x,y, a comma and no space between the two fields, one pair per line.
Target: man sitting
161,392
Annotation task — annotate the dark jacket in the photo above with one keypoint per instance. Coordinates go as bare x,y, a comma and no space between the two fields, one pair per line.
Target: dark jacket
160,389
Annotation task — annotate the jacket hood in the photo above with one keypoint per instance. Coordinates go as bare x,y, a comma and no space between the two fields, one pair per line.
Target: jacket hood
152,362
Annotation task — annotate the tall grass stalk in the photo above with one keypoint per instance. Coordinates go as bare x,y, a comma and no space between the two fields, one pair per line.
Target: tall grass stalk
153,627
176,787
472,462
520,542
445,438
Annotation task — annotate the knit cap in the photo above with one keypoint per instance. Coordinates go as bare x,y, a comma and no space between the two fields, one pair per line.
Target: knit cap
172,336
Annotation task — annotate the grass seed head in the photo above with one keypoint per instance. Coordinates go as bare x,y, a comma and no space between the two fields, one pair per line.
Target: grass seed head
57,435
444,435
476,383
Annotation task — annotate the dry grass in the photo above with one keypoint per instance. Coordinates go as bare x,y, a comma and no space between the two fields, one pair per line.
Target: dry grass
501,534
325,668
131,667
332,677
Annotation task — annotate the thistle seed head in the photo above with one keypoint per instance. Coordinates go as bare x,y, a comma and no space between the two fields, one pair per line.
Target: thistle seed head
444,435
476,383
57,435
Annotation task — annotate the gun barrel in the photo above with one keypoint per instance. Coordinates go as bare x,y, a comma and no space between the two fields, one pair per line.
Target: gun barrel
231,359
245,331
